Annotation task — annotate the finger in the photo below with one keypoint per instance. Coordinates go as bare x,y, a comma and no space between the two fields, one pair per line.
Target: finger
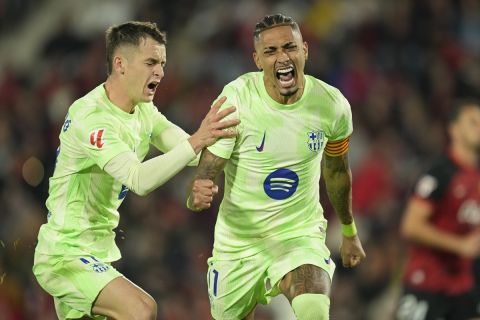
354,261
215,189
225,124
200,183
216,106
229,133
346,262
202,200
225,112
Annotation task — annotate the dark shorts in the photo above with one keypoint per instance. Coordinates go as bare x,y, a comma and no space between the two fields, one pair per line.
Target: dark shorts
422,305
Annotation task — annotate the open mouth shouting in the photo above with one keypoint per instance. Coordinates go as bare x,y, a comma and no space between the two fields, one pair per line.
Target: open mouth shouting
152,87
286,76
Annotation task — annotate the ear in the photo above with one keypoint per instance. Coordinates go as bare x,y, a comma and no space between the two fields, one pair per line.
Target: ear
256,59
305,49
119,64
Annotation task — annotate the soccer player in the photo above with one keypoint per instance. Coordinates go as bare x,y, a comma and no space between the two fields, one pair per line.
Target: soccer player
103,141
442,221
270,231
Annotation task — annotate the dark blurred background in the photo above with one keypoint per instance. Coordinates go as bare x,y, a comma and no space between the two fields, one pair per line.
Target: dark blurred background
399,63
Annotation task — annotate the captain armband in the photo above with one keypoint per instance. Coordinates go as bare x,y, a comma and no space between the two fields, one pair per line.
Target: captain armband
337,148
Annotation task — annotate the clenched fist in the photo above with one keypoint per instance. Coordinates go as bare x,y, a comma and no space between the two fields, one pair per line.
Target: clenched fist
201,195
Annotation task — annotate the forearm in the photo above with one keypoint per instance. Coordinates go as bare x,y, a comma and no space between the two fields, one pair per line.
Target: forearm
170,138
210,166
339,190
142,178
338,180
208,169
426,234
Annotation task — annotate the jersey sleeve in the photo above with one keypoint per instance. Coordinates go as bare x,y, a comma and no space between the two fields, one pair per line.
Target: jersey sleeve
343,124
433,184
98,138
159,125
224,147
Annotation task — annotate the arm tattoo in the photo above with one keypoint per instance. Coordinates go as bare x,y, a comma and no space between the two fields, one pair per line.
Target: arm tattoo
210,166
338,180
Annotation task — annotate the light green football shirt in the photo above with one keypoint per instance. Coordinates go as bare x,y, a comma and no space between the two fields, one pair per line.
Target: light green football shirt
83,199
272,176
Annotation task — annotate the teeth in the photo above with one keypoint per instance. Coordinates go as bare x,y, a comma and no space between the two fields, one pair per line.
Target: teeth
287,70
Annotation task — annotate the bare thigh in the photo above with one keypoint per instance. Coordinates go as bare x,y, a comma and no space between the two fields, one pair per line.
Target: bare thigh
122,299
305,279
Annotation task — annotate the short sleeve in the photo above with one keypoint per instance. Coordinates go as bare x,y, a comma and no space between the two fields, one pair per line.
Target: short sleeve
159,122
343,125
224,147
98,137
433,184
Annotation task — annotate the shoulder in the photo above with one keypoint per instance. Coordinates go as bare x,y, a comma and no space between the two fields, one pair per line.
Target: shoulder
324,90
436,179
442,167
89,109
245,82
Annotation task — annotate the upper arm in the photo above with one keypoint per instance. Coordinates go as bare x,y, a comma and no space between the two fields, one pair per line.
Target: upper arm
210,165
224,147
416,214
98,138
428,190
335,164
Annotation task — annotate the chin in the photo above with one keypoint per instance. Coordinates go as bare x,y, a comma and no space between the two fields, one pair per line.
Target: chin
288,92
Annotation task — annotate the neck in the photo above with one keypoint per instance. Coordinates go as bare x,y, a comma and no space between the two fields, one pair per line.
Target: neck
466,156
117,94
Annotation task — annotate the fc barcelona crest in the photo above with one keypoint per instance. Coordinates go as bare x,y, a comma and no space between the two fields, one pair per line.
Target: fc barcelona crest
315,140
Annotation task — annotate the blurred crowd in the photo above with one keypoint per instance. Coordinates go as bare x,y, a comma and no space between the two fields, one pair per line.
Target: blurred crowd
399,63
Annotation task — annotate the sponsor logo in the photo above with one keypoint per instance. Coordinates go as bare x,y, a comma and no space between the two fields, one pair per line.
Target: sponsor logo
96,138
260,147
281,184
315,140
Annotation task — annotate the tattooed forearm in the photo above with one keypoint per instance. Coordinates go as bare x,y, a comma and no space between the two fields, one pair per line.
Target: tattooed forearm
338,180
210,166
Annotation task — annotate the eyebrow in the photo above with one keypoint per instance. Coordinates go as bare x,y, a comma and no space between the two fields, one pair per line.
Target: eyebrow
288,44
152,60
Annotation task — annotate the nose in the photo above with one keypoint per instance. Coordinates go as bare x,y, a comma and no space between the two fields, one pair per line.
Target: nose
158,72
283,56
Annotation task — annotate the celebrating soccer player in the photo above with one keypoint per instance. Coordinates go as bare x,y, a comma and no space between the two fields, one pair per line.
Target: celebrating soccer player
270,230
103,141
442,222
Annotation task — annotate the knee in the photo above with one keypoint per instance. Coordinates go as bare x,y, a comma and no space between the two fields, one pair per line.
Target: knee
311,306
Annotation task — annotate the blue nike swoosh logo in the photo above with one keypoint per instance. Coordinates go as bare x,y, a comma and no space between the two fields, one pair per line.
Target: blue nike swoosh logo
260,148
327,261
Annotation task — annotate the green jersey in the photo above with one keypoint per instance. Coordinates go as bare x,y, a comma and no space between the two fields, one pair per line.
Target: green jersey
272,176
83,198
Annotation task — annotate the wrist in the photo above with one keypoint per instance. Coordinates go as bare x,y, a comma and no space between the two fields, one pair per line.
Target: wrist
349,230
196,144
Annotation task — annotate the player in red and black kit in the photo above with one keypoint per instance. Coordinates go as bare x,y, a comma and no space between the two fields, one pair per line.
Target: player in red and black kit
442,222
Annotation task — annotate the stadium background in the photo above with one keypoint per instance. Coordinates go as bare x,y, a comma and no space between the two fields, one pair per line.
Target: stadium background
399,63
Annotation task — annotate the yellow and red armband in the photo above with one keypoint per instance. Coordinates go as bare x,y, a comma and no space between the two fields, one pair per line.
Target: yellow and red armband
337,148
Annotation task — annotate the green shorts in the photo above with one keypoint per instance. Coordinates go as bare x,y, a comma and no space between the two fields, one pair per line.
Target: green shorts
236,286
73,281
